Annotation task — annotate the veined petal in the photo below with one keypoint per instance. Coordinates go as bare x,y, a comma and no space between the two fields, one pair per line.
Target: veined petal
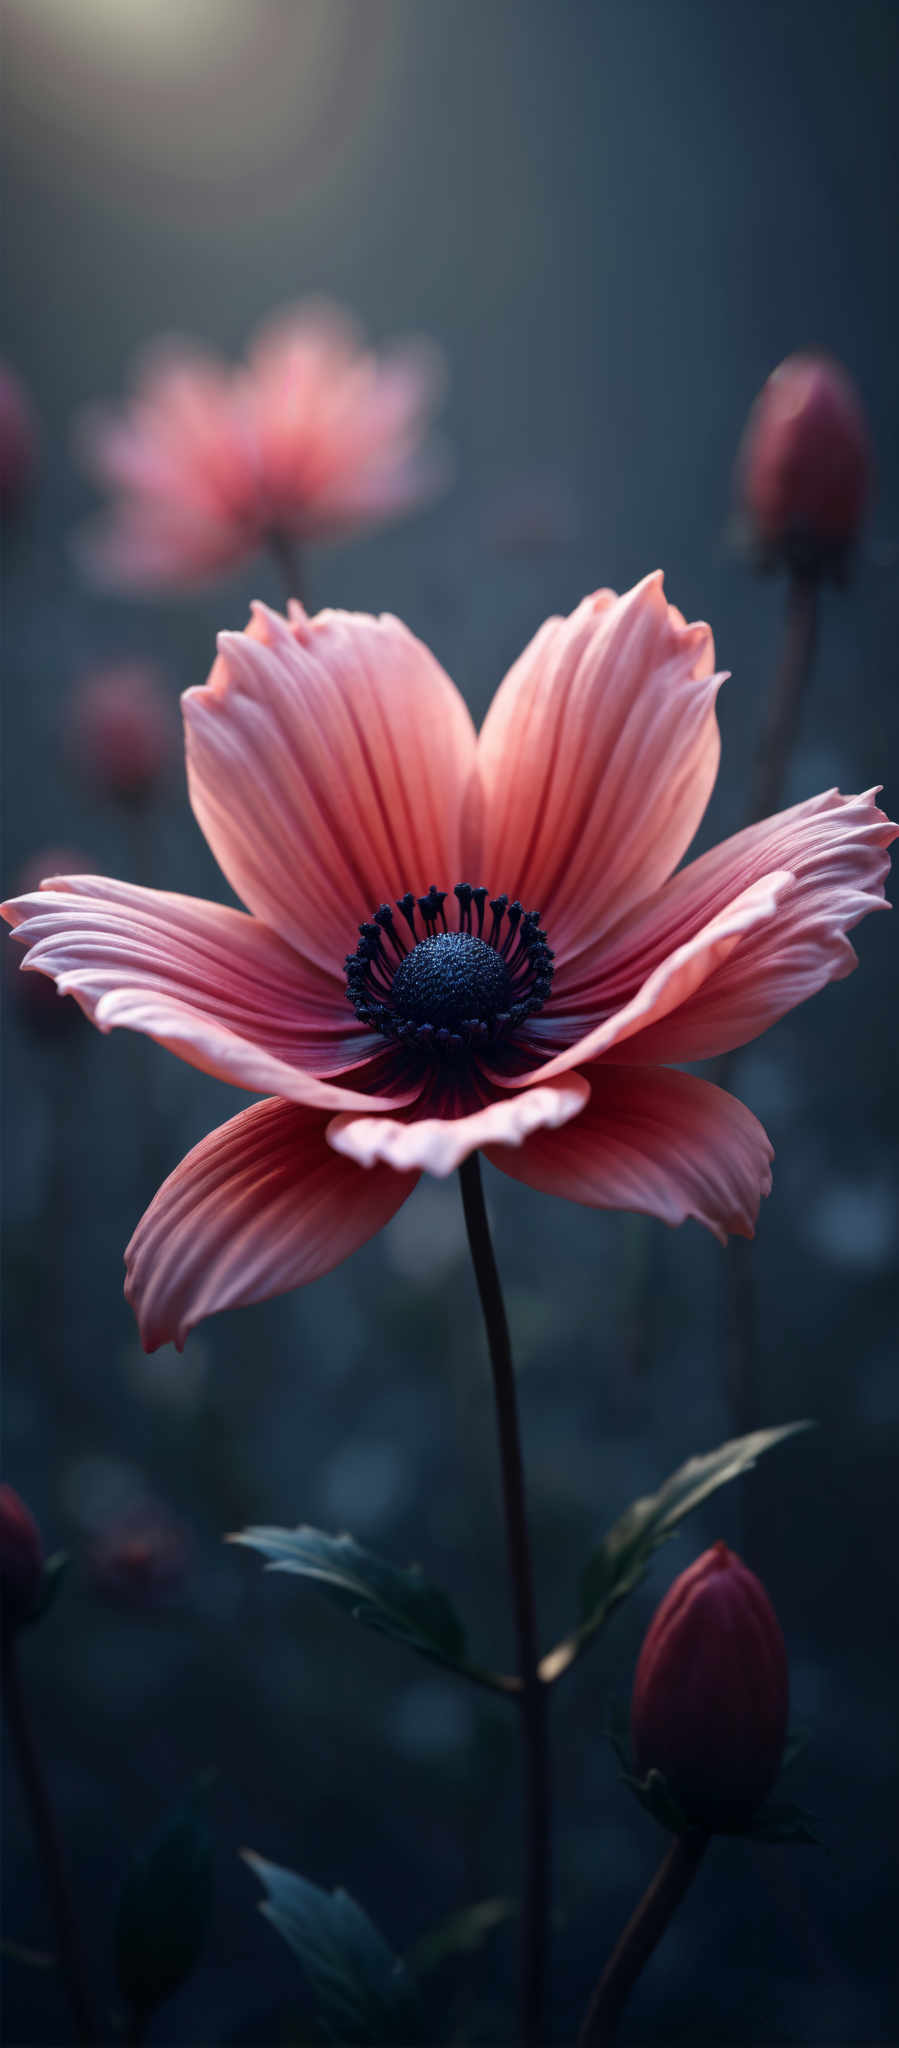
597,759
328,760
211,983
658,1141
438,1145
261,1205
670,984
835,847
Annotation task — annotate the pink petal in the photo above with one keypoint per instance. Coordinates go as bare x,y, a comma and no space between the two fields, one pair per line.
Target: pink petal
438,1145
597,759
835,847
209,982
670,984
655,1140
262,1205
327,762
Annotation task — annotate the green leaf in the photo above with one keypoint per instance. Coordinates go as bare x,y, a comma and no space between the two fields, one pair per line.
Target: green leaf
362,1990
781,1821
400,1603
461,1934
623,1556
164,1911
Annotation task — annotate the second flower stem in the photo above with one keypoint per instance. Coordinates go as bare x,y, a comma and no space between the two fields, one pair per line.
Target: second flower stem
533,1695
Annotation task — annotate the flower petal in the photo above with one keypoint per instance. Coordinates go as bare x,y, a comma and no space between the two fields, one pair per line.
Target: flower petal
439,1144
835,847
597,759
672,983
655,1140
327,762
261,1205
209,982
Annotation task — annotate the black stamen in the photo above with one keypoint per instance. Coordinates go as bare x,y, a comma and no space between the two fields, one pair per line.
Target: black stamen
454,990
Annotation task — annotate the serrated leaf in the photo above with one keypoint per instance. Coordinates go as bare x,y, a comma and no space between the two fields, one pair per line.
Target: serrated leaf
461,1934
362,1990
398,1602
164,1910
623,1556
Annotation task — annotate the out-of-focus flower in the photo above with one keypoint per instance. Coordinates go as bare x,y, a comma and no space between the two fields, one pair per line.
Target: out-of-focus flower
34,997
313,438
122,729
18,441
399,1016
804,467
21,1559
711,1692
138,1559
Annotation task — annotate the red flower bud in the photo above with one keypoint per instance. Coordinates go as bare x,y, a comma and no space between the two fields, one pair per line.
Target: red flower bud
804,467
123,730
21,1559
18,441
709,1707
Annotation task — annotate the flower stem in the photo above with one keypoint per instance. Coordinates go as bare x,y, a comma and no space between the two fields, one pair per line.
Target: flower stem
785,701
641,1936
48,1846
286,554
533,1692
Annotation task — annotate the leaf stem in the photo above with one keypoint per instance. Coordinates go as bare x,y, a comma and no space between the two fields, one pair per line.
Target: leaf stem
49,1848
532,1695
641,1936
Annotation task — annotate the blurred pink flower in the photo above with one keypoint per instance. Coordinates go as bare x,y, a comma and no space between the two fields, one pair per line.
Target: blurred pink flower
123,728
399,1018
314,437
139,1558
18,441
803,472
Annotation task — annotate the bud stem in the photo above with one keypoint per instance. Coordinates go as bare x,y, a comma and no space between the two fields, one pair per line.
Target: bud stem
785,700
535,1911
286,555
641,1936
48,1845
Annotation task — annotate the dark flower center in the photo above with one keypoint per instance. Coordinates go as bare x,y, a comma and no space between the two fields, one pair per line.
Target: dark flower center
444,989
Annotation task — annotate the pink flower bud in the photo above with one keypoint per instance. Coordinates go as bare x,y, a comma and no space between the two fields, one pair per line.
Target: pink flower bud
710,1699
804,467
18,441
21,1559
123,730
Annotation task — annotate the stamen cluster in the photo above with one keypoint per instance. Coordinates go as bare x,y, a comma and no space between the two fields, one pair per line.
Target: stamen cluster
450,988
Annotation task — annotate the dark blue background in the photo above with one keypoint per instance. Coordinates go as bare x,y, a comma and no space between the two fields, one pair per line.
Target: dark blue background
616,218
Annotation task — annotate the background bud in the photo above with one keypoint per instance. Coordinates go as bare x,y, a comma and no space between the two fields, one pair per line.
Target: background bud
21,1559
711,1691
804,467
18,441
123,729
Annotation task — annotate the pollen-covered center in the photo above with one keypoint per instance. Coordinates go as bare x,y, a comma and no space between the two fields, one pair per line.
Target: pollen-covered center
450,978
444,987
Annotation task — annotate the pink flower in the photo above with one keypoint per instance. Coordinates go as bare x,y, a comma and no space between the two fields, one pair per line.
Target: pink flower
122,728
711,1692
804,466
398,1017
312,438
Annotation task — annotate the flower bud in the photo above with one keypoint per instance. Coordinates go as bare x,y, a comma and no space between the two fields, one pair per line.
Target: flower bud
18,442
123,730
21,1559
804,467
710,1699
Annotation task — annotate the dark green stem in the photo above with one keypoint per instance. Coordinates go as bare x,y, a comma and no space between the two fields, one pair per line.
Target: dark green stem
286,554
641,1936
48,1846
533,1696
